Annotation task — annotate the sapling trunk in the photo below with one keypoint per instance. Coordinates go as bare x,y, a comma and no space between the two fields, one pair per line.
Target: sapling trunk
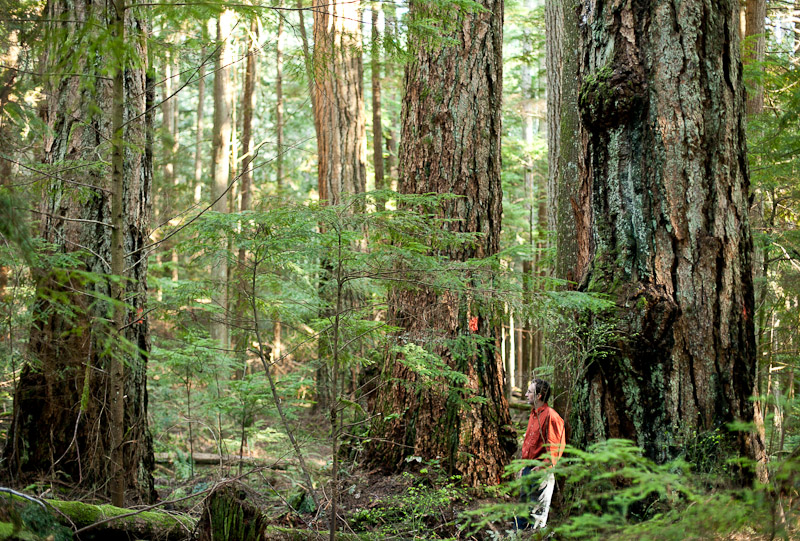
335,389
262,355
189,418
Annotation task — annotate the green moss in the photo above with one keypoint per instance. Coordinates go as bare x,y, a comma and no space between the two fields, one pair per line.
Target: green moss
83,514
7,532
596,94
608,95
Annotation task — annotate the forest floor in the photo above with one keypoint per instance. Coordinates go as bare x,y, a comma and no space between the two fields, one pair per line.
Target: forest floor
422,502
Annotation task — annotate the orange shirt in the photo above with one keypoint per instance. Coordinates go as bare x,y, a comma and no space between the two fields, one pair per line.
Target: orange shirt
545,431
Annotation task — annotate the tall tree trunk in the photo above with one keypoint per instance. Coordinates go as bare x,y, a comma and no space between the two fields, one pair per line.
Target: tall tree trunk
169,114
246,176
377,122
279,106
175,132
198,138
85,387
563,187
339,120
754,50
390,36
248,108
307,60
564,190
339,116
526,362
663,193
451,144
277,330
8,136
223,126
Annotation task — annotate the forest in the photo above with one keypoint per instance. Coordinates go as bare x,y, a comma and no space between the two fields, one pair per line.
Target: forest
312,269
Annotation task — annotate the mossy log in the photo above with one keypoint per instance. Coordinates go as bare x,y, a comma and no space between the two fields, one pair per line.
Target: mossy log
40,520
125,524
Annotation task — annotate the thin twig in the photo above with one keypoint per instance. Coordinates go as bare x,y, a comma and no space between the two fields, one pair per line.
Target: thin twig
24,496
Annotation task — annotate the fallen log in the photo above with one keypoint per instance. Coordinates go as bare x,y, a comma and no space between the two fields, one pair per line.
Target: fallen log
42,518
109,522
215,459
524,406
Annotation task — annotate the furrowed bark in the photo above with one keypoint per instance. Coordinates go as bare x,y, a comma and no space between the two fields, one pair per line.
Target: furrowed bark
662,223
451,144
85,386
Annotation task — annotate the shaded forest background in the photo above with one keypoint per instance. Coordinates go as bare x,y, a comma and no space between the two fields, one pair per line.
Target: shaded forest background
236,243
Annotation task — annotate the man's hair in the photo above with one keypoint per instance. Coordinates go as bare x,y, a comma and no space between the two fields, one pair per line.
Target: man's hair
542,388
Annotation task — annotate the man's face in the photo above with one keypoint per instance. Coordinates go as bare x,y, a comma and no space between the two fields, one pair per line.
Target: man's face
530,395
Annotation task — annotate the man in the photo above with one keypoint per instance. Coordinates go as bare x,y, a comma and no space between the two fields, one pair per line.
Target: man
544,440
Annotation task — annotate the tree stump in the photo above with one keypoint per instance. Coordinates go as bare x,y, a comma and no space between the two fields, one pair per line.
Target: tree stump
228,514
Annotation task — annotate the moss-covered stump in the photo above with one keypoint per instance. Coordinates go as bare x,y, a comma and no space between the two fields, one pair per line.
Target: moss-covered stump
230,514
227,514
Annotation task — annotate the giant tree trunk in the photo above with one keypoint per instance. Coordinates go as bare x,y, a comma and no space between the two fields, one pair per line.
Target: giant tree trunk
662,222
65,425
451,144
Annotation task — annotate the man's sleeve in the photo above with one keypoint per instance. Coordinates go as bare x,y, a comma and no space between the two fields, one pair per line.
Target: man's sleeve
556,439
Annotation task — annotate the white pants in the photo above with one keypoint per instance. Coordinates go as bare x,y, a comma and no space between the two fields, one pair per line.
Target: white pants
542,499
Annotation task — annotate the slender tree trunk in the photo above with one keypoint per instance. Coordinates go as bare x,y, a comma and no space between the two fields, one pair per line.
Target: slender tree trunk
754,50
377,122
662,205
168,131
80,406
279,105
307,60
246,183
248,108
198,139
175,133
169,114
277,346
223,126
390,33
525,361
451,144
